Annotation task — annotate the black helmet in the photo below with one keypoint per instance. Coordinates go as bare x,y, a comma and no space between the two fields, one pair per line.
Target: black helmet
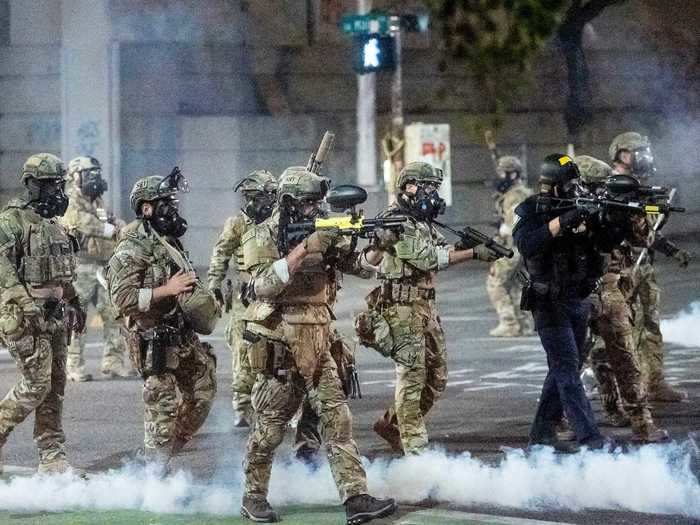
558,171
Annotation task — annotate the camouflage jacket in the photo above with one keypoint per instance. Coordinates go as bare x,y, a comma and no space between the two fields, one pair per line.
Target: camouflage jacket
140,264
420,251
34,253
87,221
227,246
505,204
307,296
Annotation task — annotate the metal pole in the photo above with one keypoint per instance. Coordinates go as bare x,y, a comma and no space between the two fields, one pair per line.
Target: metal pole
397,123
366,154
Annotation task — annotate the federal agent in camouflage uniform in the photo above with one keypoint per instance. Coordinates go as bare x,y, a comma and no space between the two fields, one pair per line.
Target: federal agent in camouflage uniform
288,326
37,302
502,284
87,221
403,321
259,192
631,154
614,358
164,305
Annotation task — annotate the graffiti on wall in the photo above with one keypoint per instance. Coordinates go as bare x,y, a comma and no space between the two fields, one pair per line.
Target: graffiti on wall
44,132
88,137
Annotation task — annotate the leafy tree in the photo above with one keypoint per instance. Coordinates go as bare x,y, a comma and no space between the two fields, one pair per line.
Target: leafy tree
498,40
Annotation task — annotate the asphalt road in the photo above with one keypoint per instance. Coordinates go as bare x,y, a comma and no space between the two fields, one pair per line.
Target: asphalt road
490,399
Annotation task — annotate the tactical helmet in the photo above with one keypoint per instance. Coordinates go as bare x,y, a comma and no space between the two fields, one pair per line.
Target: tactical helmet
299,184
593,171
557,170
79,164
630,140
509,163
148,189
43,166
418,172
258,180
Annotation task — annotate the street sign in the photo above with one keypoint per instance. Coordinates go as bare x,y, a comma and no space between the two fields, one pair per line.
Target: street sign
375,22
378,22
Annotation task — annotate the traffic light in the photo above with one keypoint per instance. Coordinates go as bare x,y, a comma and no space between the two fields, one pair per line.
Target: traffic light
372,52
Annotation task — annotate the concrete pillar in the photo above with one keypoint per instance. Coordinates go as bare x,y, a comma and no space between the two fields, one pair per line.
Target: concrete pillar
90,89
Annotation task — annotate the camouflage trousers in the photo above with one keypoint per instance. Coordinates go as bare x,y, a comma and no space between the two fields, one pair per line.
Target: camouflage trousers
504,292
177,402
312,374
90,291
420,357
243,377
647,330
40,356
615,360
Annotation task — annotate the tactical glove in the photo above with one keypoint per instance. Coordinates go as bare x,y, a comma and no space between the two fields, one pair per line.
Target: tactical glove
385,238
484,253
572,219
320,240
683,257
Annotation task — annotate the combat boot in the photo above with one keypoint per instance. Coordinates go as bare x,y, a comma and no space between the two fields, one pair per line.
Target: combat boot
58,465
258,509
526,327
617,419
159,459
363,508
506,330
389,433
116,373
650,433
662,392
78,375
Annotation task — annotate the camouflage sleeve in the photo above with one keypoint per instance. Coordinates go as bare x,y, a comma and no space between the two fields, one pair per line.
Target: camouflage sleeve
511,202
83,223
419,250
125,277
270,279
226,245
11,287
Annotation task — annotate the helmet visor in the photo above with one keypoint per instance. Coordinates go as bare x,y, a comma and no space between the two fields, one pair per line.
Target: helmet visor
175,182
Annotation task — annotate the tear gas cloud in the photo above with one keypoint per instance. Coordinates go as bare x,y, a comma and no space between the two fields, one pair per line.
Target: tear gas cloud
654,479
683,328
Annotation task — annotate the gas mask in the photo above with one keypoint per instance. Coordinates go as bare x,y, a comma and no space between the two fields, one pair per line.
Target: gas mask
92,185
47,197
643,163
427,203
571,189
505,180
258,205
166,219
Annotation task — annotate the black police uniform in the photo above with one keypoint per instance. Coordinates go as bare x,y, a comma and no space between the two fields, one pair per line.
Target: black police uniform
563,272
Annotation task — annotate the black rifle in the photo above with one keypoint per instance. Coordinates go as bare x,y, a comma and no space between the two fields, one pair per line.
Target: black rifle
471,237
342,198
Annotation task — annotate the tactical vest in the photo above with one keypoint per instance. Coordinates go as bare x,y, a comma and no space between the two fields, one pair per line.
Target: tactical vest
314,283
97,248
48,255
413,242
569,269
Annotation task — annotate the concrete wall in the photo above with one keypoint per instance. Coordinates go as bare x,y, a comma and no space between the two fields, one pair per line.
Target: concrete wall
30,91
223,87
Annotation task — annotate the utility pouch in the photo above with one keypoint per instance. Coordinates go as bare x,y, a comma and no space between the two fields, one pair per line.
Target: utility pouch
53,309
257,351
280,367
527,299
153,349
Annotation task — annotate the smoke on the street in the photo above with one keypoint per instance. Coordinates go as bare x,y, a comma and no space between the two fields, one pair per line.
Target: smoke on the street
656,479
683,328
